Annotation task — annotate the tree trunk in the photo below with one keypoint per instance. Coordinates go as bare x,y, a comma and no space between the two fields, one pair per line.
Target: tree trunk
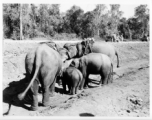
98,32
130,33
20,21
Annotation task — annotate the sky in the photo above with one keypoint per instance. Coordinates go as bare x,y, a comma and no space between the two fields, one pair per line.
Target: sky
128,9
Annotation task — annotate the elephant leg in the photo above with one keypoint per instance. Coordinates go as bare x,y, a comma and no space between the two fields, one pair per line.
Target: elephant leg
46,90
72,91
46,96
34,89
104,77
52,88
78,86
86,82
82,83
69,88
111,74
76,90
105,80
64,86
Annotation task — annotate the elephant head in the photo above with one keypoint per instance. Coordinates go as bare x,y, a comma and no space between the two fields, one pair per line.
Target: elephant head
64,54
79,49
65,65
87,46
75,63
79,63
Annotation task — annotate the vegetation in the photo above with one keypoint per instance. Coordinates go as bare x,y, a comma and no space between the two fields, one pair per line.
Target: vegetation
27,21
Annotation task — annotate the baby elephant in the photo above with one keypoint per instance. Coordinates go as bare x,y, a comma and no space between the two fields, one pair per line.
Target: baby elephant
73,78
94,63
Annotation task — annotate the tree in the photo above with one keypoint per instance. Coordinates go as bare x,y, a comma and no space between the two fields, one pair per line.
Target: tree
73,20
114,17
87,25
124,29
142,15
26,21
55,20
11,20
99,13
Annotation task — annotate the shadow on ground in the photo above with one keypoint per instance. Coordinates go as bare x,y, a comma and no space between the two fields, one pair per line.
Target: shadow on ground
86,115
11,92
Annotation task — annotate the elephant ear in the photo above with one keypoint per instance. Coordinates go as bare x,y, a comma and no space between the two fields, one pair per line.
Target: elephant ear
88,49
82,66
80,50
57,47
83,48
84,43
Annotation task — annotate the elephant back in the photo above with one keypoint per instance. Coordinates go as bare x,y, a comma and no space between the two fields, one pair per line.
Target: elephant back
52,45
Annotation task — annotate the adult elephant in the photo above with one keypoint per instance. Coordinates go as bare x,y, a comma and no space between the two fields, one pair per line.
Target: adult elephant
43,65
107,49
52,45
94,63
62,51
64,54
76,50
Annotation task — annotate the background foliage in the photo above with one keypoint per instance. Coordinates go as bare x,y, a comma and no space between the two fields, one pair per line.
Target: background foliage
28,21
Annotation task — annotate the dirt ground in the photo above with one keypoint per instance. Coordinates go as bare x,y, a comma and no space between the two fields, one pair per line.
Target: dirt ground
128,95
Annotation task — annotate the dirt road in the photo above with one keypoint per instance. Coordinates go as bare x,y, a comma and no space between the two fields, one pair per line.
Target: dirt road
128,95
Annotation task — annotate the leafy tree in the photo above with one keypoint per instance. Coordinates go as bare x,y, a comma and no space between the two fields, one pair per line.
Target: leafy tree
87,25
45,20
55,20
26,21
11,20
114,17
142,15
99,13
134,27
124,29
73,20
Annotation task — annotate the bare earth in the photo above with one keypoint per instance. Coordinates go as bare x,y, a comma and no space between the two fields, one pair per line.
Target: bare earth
128,95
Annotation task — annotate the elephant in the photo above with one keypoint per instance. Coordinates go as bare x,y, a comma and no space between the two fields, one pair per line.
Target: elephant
65,65
52,45
72,77
64,54
107,49
42,65
79,49
62,51
94,63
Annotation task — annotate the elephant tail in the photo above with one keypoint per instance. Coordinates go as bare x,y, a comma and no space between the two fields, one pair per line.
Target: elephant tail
37,63
111,73
116,53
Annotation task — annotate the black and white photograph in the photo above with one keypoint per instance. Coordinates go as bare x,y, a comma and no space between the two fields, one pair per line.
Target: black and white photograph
76,59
